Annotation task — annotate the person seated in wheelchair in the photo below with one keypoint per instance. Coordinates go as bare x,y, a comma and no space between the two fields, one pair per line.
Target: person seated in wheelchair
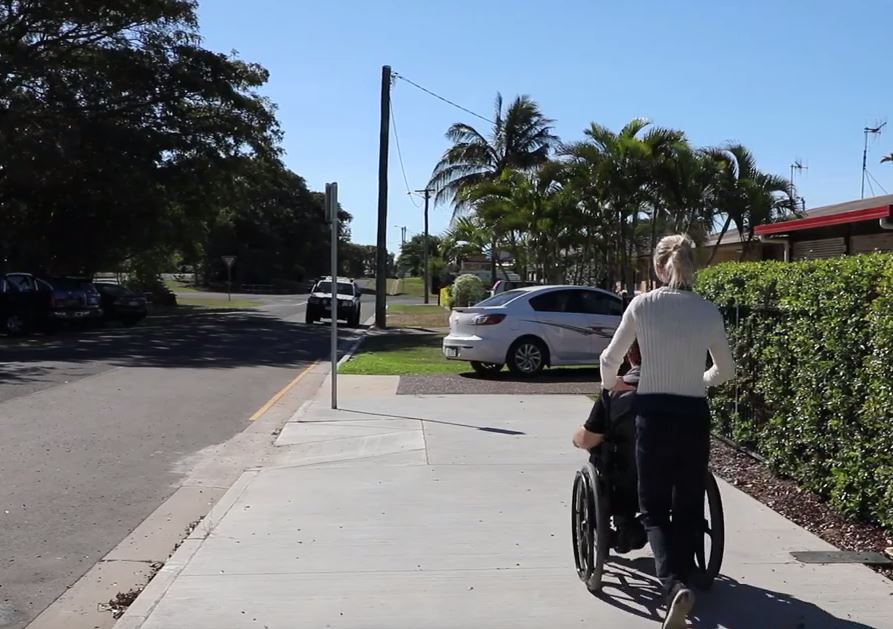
609,434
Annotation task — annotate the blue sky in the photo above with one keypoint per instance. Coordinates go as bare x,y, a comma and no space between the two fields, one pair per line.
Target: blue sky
790,79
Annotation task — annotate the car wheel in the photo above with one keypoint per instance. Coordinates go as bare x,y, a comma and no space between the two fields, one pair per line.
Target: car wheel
309,319
14,325
486,369
527,356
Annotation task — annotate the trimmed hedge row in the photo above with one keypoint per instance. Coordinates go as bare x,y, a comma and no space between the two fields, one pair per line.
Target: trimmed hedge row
814,393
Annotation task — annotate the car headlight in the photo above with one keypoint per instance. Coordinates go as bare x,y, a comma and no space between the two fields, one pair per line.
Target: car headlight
314,300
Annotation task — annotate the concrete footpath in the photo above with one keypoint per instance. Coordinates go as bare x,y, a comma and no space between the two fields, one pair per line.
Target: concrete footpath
452,511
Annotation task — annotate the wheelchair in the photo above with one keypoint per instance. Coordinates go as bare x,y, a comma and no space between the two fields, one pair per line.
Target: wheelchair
595,535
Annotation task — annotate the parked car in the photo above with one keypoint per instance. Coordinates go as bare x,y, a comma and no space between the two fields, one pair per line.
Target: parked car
531,328
22,305
71,299
319,305
119,303
502,286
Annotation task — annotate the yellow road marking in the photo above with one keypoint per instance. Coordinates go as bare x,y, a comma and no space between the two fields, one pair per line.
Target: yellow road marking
263,409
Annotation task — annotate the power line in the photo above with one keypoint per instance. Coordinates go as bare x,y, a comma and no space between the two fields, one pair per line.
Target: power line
400,155
446,100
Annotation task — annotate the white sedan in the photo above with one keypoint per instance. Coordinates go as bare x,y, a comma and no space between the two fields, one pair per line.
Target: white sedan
531,328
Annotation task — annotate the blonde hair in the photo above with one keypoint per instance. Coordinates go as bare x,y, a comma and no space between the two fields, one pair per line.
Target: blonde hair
674,255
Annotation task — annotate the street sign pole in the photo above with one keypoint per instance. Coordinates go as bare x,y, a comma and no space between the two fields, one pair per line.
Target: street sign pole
228,261
332,216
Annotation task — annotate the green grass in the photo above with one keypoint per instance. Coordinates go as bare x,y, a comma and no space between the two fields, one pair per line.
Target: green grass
402,355
418,316
180,287
216,304
413,286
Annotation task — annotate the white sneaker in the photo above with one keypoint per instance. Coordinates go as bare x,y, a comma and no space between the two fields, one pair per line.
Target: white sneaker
680,607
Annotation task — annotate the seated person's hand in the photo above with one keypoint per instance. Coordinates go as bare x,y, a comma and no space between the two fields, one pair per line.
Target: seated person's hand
622,387
586,440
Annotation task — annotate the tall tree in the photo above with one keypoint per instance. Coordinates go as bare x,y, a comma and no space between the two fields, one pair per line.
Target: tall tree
521,138
619,171
746,196
118,131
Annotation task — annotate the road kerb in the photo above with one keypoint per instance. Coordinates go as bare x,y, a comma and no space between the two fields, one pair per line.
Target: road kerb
145,603
282,393
357,343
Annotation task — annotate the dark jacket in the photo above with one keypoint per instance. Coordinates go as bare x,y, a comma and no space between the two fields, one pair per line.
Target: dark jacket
610,410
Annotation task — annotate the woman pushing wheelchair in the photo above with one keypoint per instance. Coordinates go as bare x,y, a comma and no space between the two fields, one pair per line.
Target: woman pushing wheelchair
673,329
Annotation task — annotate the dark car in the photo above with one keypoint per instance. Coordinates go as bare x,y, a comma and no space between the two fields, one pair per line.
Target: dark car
22,305
119,303
70,299
319,305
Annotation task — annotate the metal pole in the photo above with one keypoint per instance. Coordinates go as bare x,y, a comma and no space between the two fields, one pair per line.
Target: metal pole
229,282
864,162
332,211
381,272
427,268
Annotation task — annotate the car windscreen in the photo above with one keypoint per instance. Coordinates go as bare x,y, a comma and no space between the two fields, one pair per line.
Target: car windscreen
326,287
501,299
66,283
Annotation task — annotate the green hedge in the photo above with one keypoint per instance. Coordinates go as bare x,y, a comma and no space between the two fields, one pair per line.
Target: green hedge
814,393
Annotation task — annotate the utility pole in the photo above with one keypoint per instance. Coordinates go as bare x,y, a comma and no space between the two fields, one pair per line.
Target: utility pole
381,271
427,274
868,131
402,229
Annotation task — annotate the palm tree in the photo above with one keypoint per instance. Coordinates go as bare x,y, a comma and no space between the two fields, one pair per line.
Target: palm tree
746,196
887,158
521,138
622,173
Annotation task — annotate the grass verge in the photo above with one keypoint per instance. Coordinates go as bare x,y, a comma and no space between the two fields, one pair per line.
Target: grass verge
216,304
402,355
413,316
177,286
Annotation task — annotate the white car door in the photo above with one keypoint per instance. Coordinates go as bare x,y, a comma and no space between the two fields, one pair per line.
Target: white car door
562,328
602,312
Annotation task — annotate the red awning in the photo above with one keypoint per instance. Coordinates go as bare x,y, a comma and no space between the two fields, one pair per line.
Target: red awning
828,220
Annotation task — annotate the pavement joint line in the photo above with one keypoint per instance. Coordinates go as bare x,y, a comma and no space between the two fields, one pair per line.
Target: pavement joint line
273,400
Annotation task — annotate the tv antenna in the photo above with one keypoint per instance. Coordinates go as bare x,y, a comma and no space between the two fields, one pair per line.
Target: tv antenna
799,166
872,131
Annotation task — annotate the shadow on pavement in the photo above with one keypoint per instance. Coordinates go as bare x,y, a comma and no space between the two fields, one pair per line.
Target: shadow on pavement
200,338
730,604
376,416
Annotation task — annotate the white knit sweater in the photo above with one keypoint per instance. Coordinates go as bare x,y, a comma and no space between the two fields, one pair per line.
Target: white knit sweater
675,329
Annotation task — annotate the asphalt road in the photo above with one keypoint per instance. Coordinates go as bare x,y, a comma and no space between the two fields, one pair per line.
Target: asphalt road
96,428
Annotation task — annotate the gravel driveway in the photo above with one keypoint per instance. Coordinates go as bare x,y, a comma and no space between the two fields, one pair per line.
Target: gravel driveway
557,381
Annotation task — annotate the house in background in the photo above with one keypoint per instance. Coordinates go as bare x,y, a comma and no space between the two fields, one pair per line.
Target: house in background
849,228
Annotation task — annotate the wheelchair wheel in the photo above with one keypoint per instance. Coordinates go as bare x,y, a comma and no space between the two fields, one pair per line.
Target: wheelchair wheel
711,543
590,527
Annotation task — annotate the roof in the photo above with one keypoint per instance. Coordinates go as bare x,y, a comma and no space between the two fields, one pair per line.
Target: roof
825,216
841,214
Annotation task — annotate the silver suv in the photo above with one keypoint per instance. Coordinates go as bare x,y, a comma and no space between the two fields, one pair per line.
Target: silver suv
319,305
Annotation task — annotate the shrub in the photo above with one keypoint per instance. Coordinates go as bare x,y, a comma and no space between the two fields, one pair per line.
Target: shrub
814,393
467,290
